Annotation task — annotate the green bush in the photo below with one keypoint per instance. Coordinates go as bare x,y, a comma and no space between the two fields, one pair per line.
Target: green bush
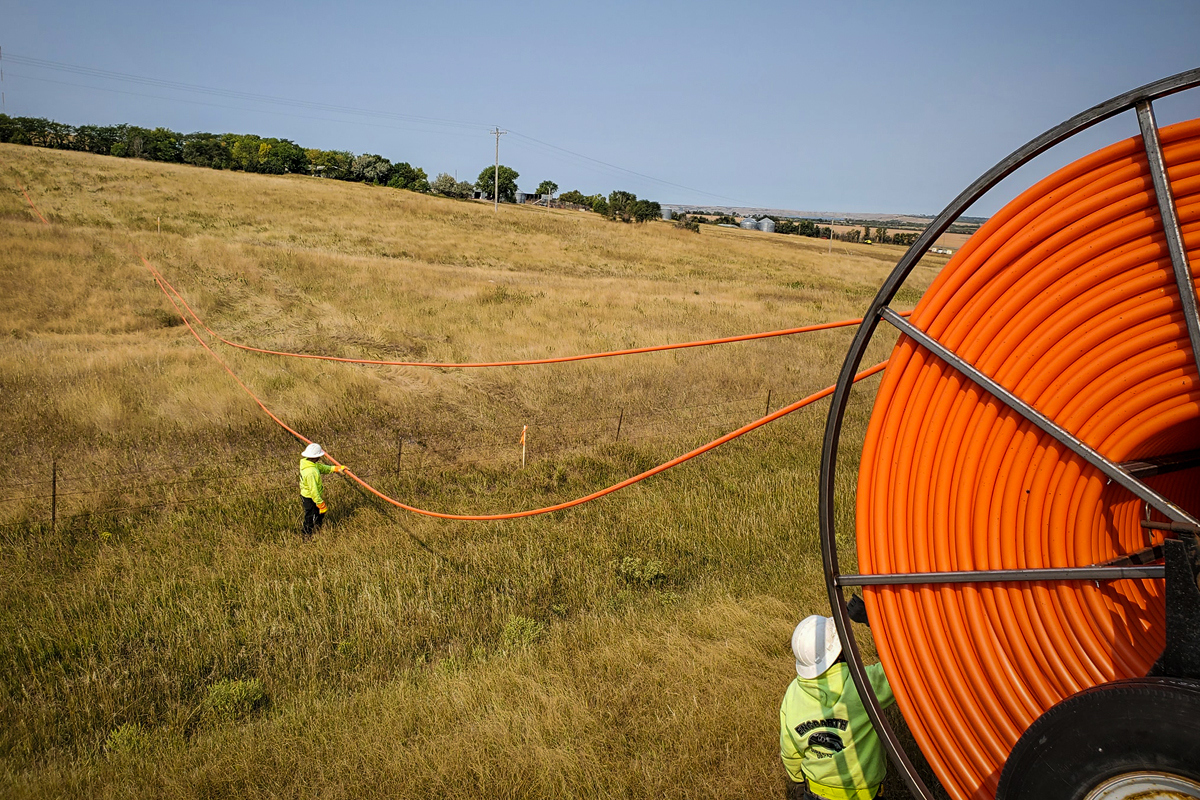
232,700
640,573
129,738
520,632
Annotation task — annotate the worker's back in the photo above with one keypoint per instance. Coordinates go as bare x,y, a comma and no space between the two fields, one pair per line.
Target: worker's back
826,739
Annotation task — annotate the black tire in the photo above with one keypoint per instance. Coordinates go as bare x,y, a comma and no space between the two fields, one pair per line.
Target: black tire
1138,725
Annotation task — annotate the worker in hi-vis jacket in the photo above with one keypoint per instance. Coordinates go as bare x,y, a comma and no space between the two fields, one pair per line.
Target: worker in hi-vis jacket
312,492
829,748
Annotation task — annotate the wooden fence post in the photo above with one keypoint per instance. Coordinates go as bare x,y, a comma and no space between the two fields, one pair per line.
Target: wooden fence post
620,419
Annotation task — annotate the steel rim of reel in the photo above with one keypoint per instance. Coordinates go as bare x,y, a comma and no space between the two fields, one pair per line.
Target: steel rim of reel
1140,100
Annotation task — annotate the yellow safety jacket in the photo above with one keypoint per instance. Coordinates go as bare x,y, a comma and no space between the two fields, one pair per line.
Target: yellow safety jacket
826,737
310,481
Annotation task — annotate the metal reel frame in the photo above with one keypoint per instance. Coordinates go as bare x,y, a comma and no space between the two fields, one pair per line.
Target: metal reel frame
1127,475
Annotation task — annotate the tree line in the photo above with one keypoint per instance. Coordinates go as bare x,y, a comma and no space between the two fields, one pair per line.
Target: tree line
881,236
804,227
619,205
247,152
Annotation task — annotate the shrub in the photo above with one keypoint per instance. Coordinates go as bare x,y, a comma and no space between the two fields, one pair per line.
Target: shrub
231,700
129,738
641,573
520,632
444,183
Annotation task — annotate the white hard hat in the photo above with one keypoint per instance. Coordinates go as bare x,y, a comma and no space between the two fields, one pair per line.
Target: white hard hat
815,645
313,451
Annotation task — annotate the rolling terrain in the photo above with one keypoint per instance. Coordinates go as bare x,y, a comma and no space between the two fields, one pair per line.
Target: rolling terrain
168,634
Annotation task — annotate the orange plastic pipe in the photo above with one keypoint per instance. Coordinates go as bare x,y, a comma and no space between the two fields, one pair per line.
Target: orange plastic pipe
746,337
31,205
177,301
1067,298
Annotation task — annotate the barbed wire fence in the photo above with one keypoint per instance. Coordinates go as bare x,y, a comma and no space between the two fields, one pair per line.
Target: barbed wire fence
381,455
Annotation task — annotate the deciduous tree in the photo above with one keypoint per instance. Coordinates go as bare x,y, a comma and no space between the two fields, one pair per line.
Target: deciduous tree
444,183
406,176
575,197
645,210
370,168
508,183
334,164
207,150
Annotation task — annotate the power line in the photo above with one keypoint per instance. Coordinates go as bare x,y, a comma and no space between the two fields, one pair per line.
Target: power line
232,93
241,108
434,122
623,169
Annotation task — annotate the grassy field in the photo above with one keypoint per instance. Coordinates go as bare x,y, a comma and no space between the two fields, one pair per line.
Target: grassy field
171,636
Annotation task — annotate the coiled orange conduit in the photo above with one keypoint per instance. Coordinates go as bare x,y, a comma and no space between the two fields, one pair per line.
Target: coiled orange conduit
1067,298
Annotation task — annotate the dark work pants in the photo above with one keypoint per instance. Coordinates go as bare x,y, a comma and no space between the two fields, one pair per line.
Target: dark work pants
313,518
799,791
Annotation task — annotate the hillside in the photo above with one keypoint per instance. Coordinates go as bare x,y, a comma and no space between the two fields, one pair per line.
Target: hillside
170,635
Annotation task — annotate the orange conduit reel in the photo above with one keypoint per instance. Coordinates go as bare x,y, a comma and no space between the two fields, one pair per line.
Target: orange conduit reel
1035,445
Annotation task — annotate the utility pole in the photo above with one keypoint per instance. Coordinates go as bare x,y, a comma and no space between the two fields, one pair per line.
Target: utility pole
496,191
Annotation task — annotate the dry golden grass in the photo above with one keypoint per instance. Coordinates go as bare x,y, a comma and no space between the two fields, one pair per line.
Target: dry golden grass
636,646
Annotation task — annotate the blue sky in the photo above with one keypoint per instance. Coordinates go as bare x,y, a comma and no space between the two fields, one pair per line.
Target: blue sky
863,106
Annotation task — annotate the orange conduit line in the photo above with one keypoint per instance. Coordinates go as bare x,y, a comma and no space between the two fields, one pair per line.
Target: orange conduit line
232,374
31,205
562,359
1067,298
812,398
527,362
168,290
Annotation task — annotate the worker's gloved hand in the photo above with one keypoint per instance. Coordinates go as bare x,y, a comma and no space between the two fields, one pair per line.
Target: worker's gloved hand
339,468
322,507
856,609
